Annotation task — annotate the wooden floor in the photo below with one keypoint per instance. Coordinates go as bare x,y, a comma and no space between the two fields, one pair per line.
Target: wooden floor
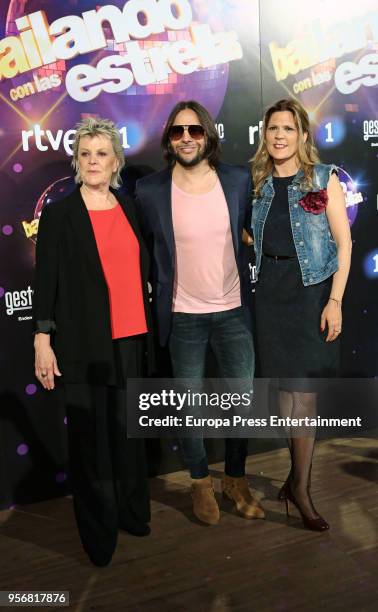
271,565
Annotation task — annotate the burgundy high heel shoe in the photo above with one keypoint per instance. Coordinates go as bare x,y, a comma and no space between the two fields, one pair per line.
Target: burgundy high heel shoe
315,524
282,493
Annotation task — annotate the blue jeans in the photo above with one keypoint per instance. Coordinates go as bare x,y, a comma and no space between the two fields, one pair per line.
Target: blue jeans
230,338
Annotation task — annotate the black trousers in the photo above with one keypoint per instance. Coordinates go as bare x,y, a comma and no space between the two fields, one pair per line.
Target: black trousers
108,471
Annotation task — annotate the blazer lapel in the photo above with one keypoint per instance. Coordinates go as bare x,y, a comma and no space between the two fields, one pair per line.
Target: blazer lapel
230,190
128,208
83,230
129,214
163,198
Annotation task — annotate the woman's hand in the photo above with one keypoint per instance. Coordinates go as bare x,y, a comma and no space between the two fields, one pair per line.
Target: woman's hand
46,365
332,317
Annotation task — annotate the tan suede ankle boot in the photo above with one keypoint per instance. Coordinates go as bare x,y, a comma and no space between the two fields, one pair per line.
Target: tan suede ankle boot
237,490
205,506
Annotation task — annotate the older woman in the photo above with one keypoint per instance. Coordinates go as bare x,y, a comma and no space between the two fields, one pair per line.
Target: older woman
303,246
91,324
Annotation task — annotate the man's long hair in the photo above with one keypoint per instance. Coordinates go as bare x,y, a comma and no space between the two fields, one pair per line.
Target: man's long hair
212,147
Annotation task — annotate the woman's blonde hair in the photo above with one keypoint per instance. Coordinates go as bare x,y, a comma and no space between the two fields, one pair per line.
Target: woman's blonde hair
262,163
99,127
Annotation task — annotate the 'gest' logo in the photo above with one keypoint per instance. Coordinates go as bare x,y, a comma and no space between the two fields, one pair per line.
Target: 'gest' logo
18,300
370,128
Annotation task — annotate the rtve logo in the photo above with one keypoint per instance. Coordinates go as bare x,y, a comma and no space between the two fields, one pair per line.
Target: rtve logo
252,129
44,140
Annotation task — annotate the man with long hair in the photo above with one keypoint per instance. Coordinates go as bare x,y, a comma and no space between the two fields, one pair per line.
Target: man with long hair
193,214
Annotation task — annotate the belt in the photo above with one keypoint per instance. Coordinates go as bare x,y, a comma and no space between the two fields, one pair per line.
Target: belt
277,257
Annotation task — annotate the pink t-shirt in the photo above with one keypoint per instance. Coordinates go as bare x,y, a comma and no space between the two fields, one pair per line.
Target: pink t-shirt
206,275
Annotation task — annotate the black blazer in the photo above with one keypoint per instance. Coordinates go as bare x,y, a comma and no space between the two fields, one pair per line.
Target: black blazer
71,299
154,206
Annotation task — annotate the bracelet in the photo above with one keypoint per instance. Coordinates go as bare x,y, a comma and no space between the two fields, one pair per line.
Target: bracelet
338,302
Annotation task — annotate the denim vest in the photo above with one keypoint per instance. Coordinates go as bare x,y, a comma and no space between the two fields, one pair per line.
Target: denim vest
314,244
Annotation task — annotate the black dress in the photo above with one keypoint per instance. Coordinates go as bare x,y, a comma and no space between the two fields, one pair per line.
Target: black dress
289,341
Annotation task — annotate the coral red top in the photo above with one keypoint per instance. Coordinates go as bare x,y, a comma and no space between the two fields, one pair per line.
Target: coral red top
118,248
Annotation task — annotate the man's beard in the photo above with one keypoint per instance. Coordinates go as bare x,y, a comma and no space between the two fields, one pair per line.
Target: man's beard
188,163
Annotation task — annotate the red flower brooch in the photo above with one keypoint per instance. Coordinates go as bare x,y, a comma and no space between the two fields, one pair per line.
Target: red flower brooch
315,201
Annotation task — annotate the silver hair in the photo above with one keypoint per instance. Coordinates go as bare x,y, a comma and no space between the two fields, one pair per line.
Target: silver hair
99,127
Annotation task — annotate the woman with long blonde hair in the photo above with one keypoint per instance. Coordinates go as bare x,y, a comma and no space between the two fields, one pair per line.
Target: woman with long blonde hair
303,248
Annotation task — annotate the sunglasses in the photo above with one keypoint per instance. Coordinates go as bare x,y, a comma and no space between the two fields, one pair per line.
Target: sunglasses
176,132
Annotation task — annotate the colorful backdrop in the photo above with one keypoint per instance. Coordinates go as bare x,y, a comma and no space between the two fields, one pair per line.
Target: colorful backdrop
132,61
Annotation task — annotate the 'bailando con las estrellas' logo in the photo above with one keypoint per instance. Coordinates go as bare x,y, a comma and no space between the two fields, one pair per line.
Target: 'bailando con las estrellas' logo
132,61
173,43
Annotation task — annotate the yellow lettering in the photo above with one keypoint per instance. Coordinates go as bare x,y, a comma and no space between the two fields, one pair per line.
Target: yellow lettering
302,85
12,58
279,61
294,59
31,49
30,229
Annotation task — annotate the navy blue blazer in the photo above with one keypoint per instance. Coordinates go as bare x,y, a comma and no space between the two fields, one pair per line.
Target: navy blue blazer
154,206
